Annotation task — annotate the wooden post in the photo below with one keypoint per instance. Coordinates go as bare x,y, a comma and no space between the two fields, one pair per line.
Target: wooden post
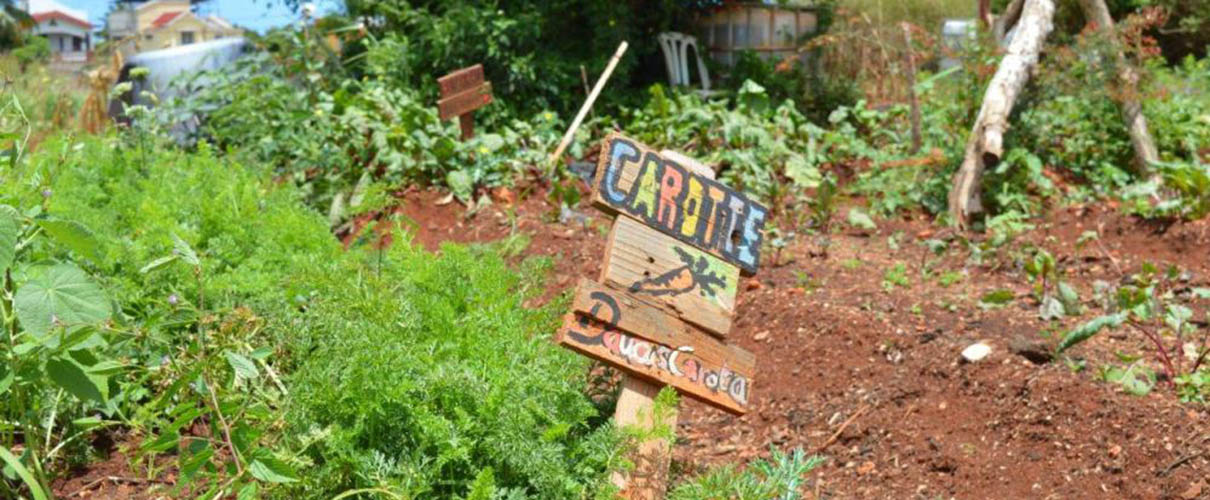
592,97
636,407
910,63
468,126
1145,152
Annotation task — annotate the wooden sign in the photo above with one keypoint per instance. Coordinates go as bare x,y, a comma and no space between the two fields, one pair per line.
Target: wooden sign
666,296
624,331
695,286
462,92
636,181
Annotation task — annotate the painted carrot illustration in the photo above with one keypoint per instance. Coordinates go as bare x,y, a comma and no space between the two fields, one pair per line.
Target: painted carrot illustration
694,274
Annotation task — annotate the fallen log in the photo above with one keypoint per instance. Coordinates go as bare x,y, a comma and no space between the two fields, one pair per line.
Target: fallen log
985,146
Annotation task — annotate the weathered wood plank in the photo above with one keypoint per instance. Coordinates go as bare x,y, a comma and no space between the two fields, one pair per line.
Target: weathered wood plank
461,80
624,331
465,102
634,180
695,286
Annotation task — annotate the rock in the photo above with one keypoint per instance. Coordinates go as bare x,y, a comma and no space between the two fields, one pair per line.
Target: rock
1036,351
752,285
976,352
761,335
1115,450
865,468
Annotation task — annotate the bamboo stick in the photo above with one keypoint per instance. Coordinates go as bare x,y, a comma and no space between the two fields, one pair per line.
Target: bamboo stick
592,97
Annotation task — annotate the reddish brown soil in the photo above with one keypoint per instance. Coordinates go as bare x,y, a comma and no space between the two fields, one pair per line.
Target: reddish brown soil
834,342
834,347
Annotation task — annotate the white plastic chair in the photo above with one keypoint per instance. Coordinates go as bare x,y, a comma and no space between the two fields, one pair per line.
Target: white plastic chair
676,58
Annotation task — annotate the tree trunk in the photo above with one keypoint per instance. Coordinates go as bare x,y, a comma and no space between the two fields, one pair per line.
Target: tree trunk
1004,22
985,146
1095,11
985,14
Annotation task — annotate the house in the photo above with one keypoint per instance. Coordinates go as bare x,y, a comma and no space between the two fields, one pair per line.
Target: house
67,29
160,24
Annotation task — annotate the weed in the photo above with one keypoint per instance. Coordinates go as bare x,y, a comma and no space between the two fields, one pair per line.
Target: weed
895,276
1150,305
780,477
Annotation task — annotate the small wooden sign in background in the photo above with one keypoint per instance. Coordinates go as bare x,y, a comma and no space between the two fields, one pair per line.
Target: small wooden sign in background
462,92
666,296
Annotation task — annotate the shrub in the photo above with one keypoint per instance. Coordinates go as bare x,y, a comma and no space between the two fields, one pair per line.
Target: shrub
396,369
427,375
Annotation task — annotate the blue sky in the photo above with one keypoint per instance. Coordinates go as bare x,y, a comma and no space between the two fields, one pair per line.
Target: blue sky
258,15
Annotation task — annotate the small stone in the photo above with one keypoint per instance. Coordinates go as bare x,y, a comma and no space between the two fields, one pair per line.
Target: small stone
752,285
761,335
1115,450
976,352
865,468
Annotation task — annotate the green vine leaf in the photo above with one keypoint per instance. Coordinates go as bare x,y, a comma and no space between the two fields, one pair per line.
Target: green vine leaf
61,294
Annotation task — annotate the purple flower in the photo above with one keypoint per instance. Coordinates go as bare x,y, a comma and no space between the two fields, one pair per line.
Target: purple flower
173,299
46,193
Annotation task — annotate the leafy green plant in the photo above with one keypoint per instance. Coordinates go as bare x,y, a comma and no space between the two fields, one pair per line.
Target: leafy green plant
56,368
1151,306
1056,298
780,477
895,276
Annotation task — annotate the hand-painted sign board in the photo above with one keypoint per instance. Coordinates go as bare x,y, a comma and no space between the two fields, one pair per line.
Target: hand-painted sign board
462,92
461,80
625,331
465,102
636,181
666,295
694,285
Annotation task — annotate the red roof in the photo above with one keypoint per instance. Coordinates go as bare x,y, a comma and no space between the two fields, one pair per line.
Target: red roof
165,19
54,14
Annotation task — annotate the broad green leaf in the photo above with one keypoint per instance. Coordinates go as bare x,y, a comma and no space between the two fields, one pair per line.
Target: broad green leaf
461,184
858,219
74,379
1201,293
1050,308
200,456
271,469
60,293
997,297
250,491
243,367
10,230
87,423
490,143
802,173
1088,329
181,248
74,236
1135,380
165,442
158,263
1070,298
6,378
13,462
